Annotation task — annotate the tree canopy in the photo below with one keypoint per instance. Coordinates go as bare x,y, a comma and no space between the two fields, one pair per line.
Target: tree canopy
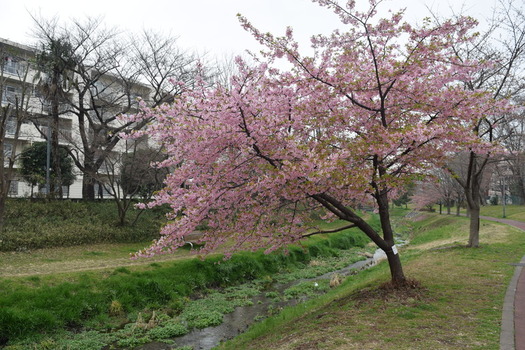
370,111
33,163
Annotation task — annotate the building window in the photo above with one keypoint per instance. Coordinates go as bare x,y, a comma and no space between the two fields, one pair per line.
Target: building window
8,151
10,94
13,188
11,66
66,129
10,126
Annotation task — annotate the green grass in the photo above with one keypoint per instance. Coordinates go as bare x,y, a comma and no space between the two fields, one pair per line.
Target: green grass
512,212
35,225
455,304
38,306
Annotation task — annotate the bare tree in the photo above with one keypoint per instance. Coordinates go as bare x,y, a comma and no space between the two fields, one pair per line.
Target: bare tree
503,43
129,175
108,76
440,189
162,65
514,159
15,91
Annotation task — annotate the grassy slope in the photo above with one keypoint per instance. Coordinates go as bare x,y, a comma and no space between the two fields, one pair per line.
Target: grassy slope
35,304
513,212
36,225
458,305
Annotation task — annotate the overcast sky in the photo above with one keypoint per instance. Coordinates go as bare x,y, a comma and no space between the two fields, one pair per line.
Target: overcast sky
209,25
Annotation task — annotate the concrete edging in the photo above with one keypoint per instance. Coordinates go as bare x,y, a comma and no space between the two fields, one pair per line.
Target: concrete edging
507,319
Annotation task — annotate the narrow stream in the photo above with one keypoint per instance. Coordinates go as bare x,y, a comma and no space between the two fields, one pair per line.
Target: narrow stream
242,317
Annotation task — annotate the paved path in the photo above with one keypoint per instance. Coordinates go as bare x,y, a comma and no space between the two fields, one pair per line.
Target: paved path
512,335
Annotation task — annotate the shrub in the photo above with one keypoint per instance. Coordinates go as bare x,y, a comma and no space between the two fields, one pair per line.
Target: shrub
38,224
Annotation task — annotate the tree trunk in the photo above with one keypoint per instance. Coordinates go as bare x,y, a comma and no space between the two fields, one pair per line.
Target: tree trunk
56,184
396,269
386,242
3,200
88,187
55,154
394,262
473,239
473,205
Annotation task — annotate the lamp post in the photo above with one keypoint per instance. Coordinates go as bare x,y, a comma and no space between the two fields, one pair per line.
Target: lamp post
48,158
503,197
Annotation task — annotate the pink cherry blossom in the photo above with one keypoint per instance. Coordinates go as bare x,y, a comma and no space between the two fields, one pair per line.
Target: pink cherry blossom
371,110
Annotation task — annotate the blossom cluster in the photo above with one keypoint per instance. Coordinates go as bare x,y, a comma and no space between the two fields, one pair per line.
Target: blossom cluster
372,109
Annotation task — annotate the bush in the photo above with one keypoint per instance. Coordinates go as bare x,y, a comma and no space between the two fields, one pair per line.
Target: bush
38,224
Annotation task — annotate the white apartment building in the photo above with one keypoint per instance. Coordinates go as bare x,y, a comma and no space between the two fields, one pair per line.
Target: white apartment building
19,79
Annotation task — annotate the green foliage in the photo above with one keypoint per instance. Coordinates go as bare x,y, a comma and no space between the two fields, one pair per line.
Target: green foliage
307,289
168,330
39,307
131,342
33,165
38,224
90,340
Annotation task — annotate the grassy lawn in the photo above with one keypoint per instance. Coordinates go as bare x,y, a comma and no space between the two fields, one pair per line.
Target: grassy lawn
512,212
49,261
456,302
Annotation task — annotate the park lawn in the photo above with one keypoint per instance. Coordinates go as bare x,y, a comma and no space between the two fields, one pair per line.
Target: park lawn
456,302
48,261
512,212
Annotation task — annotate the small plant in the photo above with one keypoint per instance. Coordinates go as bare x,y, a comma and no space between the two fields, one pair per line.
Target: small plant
306,289
316,262
335,280
272,295
168,330
131,342
115,309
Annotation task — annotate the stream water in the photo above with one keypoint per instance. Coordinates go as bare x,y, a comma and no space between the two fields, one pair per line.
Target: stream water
242,317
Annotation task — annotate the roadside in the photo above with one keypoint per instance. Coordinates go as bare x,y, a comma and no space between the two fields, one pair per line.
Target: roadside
513,317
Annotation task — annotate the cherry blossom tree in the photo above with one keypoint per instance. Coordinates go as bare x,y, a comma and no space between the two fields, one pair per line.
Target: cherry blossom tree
438,188
370,111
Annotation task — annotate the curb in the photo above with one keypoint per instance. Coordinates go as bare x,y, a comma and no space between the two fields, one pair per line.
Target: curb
507,319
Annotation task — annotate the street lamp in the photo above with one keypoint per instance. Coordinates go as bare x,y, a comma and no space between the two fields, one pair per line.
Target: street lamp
503,197
48,157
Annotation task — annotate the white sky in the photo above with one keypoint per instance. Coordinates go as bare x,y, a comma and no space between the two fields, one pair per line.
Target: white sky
209,25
